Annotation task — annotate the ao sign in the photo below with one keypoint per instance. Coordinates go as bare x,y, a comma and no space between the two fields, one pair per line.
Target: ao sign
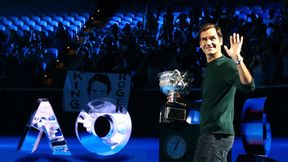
99,127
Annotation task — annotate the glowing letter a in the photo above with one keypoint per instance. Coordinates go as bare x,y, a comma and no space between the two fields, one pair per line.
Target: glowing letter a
44,120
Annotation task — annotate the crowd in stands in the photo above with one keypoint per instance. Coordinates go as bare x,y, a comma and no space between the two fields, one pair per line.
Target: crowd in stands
147,48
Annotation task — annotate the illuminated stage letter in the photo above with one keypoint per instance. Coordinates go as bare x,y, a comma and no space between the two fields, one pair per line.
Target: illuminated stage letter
44,120
255,127
102,130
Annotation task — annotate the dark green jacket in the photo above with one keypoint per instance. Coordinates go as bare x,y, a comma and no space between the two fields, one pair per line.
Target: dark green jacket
221,80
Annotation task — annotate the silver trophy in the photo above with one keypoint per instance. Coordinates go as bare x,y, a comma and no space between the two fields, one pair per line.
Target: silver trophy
171,84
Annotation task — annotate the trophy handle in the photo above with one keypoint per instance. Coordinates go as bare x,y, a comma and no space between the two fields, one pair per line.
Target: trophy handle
180,79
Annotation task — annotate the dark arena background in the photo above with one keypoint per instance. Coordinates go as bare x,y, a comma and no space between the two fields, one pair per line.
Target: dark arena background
42,40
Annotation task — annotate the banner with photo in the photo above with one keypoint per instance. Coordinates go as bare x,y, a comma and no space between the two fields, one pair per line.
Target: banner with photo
83,87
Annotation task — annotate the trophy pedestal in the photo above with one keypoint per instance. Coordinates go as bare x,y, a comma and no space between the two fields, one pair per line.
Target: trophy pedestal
173,112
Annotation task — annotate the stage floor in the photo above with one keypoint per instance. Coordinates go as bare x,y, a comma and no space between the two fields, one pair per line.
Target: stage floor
137,150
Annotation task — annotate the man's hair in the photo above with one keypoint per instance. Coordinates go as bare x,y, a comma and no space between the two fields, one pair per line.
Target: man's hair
208,26
99,78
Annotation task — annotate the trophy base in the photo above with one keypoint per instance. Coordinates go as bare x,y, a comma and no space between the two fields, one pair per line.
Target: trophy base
173,112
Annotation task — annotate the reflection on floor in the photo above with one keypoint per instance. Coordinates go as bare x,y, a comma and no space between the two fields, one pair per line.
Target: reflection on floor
278,153
137,150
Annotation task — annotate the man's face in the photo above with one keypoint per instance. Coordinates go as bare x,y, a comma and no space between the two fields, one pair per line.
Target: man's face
98,90
210,43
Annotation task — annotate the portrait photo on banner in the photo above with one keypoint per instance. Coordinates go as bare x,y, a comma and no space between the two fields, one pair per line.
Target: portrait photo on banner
83,87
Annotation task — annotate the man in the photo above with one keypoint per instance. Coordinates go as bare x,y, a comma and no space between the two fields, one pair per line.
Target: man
222,77
99,86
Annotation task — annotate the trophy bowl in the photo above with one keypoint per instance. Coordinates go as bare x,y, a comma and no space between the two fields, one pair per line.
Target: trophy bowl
175,81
